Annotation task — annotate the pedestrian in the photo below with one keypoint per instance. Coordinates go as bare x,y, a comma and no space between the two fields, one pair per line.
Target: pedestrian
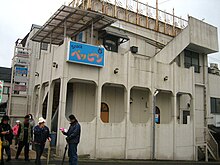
6,137
15,131
25,134
41,135
31,120
73,138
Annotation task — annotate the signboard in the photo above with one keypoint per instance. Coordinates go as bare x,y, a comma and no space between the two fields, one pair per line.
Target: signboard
86,54
21,71
20,87
1,89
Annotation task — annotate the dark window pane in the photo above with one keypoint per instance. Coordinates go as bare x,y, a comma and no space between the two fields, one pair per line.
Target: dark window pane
213,107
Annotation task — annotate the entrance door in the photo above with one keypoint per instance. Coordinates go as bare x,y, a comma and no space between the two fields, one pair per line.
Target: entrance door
104,113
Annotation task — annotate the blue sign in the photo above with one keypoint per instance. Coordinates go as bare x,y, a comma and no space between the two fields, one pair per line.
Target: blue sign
20,70
86,54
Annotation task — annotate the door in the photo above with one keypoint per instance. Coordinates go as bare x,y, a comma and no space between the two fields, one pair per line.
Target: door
104,113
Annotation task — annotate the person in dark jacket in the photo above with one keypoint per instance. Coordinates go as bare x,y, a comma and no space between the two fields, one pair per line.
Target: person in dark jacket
73,138
6,134
25,134
41,135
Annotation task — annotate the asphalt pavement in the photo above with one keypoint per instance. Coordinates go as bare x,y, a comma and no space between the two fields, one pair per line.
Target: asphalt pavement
113,162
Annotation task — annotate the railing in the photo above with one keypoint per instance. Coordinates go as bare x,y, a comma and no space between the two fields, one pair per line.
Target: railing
208,141
138,11
212,144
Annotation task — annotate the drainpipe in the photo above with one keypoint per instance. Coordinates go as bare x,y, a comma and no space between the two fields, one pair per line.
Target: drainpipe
154,124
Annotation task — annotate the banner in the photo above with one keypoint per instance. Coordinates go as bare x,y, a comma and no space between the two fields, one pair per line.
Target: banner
86,54
1,89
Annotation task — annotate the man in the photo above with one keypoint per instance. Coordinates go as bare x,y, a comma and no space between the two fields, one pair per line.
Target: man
6,137
73,138
25,134
41,135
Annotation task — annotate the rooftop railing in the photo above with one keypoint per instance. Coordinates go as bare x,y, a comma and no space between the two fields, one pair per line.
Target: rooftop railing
140,10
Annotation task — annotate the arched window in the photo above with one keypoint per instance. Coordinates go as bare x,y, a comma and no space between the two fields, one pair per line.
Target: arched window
104,112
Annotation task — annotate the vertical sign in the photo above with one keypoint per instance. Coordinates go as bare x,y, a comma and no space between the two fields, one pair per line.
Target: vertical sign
1,89
86,54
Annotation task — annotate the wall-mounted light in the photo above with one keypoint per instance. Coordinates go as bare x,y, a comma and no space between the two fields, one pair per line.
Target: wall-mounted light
36,74
55,65
165,78
116,70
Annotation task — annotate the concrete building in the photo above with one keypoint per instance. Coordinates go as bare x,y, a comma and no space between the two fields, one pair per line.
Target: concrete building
5,79
135,77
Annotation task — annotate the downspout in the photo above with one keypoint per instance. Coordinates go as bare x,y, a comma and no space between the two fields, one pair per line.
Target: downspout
154,125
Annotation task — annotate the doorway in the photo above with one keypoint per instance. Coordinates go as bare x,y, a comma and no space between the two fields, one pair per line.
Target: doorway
104,112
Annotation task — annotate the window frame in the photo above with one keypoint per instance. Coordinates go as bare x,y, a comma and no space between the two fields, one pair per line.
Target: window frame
214,102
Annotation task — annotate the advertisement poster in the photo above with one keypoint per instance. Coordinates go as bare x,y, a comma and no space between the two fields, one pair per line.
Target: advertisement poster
85,54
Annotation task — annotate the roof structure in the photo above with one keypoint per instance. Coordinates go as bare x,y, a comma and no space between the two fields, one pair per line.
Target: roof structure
70,21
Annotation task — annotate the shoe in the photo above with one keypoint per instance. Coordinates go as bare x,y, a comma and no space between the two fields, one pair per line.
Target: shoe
27,160
8,159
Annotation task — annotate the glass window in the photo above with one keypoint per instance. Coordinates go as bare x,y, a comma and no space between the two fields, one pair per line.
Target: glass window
44,46
192,59
215,105
111,43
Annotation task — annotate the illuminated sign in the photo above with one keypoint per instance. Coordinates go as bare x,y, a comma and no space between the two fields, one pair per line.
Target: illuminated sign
1,89
86,54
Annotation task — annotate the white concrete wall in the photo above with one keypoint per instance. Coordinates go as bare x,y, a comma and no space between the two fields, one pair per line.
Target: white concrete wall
113,96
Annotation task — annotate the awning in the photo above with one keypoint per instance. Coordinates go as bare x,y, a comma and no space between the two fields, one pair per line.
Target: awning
75,19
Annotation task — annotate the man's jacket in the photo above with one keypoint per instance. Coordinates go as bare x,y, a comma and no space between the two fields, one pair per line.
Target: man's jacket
41,134
73,133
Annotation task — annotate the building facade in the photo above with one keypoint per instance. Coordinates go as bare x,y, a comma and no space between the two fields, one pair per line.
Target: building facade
5,79
138,84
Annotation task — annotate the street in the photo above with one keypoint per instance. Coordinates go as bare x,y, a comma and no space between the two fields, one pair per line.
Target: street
115,162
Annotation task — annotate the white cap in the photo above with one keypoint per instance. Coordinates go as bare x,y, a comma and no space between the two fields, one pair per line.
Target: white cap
41,120
18,121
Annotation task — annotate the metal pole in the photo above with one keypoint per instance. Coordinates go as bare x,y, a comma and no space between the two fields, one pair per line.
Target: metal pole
156,15
64,30
92,33
154,125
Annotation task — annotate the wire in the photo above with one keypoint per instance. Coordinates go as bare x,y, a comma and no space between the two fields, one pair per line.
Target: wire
164,1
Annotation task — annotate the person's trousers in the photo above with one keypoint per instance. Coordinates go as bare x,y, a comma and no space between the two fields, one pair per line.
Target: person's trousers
22,144
72,152
39,151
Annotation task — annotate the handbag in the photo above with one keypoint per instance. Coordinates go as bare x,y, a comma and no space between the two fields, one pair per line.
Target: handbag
5,143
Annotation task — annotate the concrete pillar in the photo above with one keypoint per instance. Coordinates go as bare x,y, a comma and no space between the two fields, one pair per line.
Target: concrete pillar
174,124
98,116
50,104
127,119
61,115
40,99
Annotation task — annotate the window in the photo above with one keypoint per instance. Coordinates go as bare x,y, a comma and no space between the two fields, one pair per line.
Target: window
44,46
6,90
215,105
111,43
192,59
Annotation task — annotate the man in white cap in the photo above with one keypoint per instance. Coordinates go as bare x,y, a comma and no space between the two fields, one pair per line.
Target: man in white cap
41,135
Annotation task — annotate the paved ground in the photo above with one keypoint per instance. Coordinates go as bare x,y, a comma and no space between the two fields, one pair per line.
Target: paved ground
115,162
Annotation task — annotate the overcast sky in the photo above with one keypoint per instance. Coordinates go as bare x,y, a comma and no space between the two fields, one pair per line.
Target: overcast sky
17,16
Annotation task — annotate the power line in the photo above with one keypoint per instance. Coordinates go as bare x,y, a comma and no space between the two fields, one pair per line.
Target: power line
164,1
